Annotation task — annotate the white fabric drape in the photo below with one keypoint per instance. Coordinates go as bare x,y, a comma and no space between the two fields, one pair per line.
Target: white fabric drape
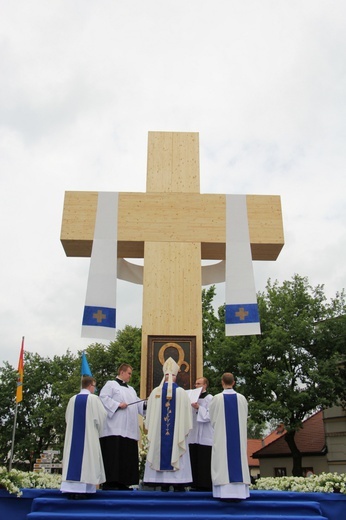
99,319
241,302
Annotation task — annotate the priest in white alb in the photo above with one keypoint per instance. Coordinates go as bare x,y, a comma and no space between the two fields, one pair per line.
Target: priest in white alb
229,465
168,422
82,459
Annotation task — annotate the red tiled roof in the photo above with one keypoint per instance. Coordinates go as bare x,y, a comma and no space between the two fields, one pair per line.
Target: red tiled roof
309,439
252,446
274,436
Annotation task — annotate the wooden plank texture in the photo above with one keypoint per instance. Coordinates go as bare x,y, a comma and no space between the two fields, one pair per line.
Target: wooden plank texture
172,217
172,226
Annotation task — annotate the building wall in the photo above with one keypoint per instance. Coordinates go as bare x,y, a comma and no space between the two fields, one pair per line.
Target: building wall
335,427
335,459
319,465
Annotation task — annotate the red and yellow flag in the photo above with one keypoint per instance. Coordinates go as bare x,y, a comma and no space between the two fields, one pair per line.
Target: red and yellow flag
19,393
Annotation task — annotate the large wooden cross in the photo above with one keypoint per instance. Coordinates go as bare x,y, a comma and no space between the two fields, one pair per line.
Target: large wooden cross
173,227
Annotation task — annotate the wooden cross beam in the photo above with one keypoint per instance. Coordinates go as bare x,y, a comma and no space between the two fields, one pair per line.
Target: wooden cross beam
172,226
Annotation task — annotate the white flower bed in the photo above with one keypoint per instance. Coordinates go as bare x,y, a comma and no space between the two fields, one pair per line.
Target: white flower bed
13,481
323,483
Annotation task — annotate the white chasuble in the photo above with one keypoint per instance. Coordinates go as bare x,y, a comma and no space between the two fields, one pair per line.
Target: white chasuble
82,458
156,424
228,414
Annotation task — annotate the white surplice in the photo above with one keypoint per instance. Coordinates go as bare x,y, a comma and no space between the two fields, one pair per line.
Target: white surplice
202,431
123,422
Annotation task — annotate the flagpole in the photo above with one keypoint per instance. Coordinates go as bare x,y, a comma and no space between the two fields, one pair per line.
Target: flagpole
19,397
13,436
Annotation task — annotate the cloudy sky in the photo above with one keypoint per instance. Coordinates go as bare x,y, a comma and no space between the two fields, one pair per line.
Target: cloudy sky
82,83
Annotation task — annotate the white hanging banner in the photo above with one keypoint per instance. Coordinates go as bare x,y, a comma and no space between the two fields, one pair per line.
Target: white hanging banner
133,273
242,316
99,318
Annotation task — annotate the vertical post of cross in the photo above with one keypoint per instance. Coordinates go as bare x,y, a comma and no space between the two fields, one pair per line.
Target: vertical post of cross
172,270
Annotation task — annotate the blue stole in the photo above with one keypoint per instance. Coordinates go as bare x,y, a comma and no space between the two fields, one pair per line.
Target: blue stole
233,438
74,469
167,427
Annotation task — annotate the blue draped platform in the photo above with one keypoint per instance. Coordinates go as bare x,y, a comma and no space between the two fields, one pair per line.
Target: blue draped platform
36,504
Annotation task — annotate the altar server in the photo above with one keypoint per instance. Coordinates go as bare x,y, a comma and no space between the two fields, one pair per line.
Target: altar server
229,465
82,459
201,438
168,422
119,439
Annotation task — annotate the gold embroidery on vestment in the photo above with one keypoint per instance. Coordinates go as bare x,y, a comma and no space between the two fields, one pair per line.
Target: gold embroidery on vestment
167,417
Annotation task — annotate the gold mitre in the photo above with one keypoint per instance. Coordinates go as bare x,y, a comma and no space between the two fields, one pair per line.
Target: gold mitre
170,368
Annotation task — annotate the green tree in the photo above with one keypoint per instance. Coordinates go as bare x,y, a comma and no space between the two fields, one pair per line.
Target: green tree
298,360
127,349
255,430
8,381
297,365
220,353
104,360
48,384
